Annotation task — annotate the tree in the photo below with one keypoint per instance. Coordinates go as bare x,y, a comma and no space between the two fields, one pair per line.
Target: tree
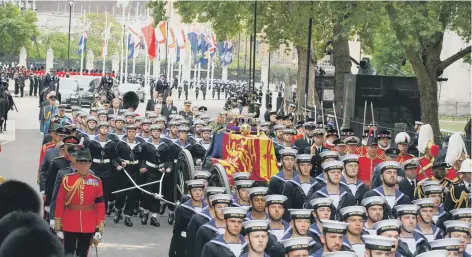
17,28
419,27
53,39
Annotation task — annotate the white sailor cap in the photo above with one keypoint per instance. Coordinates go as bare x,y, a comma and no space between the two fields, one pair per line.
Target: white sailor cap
214,190
202,174
387,225
379,243
337,227
290,131
355,210
332,165
321,202
234,212
430,182
258,191
352,140
241,176
300,214
466,166
244,184
449,244
373,200
196,183
389,165
296,243
256,225
340,254
410,164
461,213
457,226
304,158
329,154
275,199
433,189
220,198
435,253
278,127
424,203
350,158
288,152
406,209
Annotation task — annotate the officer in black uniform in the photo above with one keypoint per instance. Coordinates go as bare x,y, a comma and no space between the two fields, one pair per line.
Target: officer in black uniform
106,84
457,195
186,89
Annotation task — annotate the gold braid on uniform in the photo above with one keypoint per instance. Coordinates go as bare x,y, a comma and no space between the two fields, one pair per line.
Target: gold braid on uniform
78,185
462,198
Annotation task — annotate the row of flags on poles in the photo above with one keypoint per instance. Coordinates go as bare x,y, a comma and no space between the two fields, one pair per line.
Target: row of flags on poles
163,41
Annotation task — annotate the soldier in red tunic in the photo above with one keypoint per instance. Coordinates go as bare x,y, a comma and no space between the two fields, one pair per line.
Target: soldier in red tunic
427,161
331,135
403,140
368,162
80,209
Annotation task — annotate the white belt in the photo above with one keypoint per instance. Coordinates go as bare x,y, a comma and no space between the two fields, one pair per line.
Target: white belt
131,162
183,234
150,164
101,161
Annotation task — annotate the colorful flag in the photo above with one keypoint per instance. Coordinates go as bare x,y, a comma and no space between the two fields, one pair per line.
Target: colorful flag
181,42
104,51
150,39
238,153
83,42
130,46
204,51
228,52
193,40
221,52
161,37
212,44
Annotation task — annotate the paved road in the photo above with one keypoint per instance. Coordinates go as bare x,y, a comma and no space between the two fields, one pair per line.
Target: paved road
19,160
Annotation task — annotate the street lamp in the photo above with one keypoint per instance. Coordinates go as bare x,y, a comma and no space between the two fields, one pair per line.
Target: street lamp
71,3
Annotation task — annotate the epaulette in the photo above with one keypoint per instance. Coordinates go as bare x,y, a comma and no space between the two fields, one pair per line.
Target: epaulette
93,175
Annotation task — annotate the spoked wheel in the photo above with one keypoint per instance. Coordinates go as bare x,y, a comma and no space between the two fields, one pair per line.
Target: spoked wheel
219,178
183,171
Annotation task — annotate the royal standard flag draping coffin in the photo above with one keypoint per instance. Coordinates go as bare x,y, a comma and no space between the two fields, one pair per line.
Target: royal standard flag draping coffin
238,153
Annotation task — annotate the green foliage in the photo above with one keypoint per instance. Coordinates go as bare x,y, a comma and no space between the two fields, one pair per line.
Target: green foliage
158,11
53,39
17,28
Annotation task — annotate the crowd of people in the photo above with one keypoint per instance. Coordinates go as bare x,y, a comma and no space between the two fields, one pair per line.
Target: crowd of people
335,194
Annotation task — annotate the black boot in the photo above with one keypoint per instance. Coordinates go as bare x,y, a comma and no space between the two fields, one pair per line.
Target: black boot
170,219
154,222
145,217
111,207
163,208
135,212
118,216
128,221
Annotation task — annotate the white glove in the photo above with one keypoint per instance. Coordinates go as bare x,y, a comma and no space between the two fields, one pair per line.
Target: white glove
52,224
42,134
43,192
60,235
198,162
97,237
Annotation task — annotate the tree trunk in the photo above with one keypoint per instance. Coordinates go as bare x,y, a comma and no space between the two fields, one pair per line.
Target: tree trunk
301,77
342,63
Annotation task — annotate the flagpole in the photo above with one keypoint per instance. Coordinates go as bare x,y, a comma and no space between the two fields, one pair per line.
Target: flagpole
83,49
208,69
212,71
122,44
179,79
127,50
105,49
134,54
146,60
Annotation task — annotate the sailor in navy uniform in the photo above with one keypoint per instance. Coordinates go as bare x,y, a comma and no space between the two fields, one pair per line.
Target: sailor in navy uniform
206,137
296,190
127,156
452,245
341,195
197,133
333,237
376,210
145,132
278,138
183,140
351,169
460,230
102,115
317,147
102,150
325,156
388,174
435,253
199,219
323,209
156,161
287,171
353,215
173,131
130,117
256,237
288,138
230,243
238,176
215,226
275,210
258,204
241,196
120,131
304,144
416,242
435,192
91,131
424,223
202,175
391,228
183,214
378,245
298,246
